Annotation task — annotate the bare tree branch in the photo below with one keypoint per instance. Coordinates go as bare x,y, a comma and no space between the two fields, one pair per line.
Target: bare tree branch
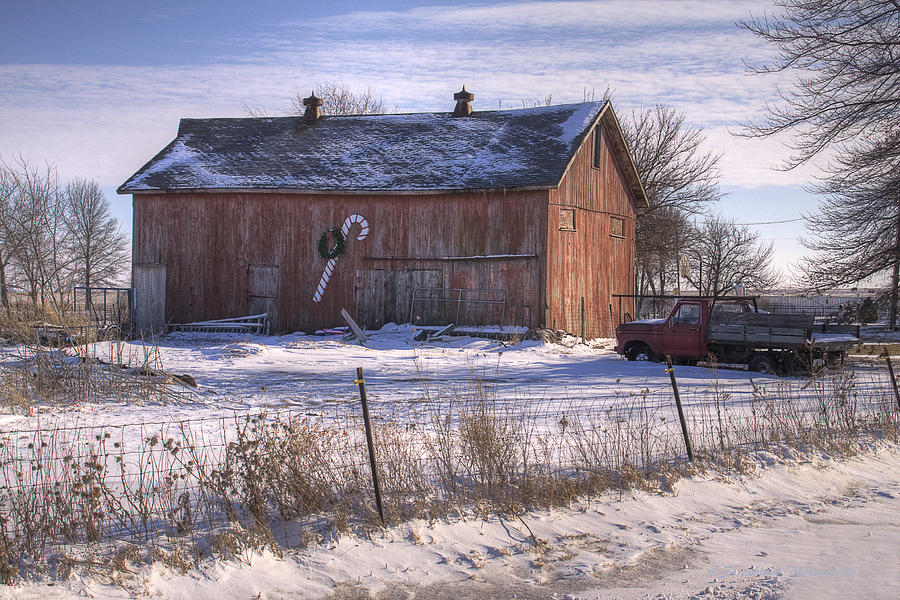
846,98
681,181
844,53
340,99
99,250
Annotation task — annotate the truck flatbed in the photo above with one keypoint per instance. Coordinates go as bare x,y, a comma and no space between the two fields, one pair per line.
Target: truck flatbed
732,330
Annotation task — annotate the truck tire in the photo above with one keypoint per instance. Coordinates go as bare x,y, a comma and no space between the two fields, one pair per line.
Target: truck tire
640,352
762,363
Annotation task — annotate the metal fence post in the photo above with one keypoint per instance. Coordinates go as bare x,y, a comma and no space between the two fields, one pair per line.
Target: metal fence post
365,406
684,431
887,357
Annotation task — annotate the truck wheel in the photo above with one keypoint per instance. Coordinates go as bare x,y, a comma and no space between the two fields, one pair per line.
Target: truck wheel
762,364
639,352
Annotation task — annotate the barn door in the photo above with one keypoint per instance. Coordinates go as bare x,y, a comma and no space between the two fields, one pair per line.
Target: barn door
262,289
370,291
149,283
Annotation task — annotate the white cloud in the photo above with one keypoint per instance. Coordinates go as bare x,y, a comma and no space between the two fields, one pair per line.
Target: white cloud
753,162
614,14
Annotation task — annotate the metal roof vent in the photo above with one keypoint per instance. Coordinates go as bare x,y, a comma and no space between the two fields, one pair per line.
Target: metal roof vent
463,103
313,108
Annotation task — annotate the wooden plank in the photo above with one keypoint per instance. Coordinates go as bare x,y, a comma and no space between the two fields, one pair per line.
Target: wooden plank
798,321
442,331
357,331
739,334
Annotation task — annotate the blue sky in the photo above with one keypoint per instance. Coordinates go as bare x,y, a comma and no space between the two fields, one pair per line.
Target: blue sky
97,88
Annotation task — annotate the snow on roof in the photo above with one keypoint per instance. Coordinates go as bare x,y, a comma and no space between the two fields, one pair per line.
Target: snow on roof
430,151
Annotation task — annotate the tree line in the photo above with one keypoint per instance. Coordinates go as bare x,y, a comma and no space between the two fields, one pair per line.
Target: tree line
843,108
55,235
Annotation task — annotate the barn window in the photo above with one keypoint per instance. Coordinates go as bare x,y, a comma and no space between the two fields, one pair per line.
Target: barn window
617,227
567,219
599,145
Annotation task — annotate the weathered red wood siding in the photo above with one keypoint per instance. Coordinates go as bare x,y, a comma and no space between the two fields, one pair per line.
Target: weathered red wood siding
208,242
589,262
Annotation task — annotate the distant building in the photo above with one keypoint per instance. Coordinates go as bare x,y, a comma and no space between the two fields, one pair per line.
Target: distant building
496,217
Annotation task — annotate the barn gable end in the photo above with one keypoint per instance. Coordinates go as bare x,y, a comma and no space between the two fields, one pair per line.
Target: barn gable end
590,237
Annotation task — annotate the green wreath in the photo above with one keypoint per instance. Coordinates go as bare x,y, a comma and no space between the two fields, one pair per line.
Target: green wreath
324,250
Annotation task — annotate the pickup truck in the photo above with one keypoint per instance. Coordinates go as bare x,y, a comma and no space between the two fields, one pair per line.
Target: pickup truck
733,331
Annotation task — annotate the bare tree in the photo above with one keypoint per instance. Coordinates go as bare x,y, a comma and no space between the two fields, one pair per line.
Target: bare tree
36,220
857,229
662,236
845,56
99,249
681,181
340,99
7,241
723,255
845,98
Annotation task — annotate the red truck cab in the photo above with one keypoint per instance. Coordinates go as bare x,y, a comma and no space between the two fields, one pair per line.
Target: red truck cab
681,335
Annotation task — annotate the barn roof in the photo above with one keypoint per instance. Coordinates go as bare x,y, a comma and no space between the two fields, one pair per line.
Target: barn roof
503,149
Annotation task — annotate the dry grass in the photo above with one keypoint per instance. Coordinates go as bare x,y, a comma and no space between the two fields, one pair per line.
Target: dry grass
41,375
30,324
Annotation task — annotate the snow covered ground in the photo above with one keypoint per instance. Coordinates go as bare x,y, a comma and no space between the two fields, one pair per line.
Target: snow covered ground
238,373
799,529
807,528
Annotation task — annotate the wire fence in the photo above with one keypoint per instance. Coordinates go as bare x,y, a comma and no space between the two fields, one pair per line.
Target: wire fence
290,476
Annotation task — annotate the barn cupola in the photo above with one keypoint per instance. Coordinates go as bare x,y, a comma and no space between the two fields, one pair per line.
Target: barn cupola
313,108
463,103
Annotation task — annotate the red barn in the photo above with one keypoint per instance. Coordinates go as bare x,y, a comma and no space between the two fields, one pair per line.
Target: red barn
491,217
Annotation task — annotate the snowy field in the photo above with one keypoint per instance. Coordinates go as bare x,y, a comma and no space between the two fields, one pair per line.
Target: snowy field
409,384
779,532
237,373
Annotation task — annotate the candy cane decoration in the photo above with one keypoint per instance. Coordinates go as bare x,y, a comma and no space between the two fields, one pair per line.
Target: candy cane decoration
329,266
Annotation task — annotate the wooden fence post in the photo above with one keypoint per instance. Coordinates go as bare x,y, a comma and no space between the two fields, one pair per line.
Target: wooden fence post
582,319
887,357
365,406
684,431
